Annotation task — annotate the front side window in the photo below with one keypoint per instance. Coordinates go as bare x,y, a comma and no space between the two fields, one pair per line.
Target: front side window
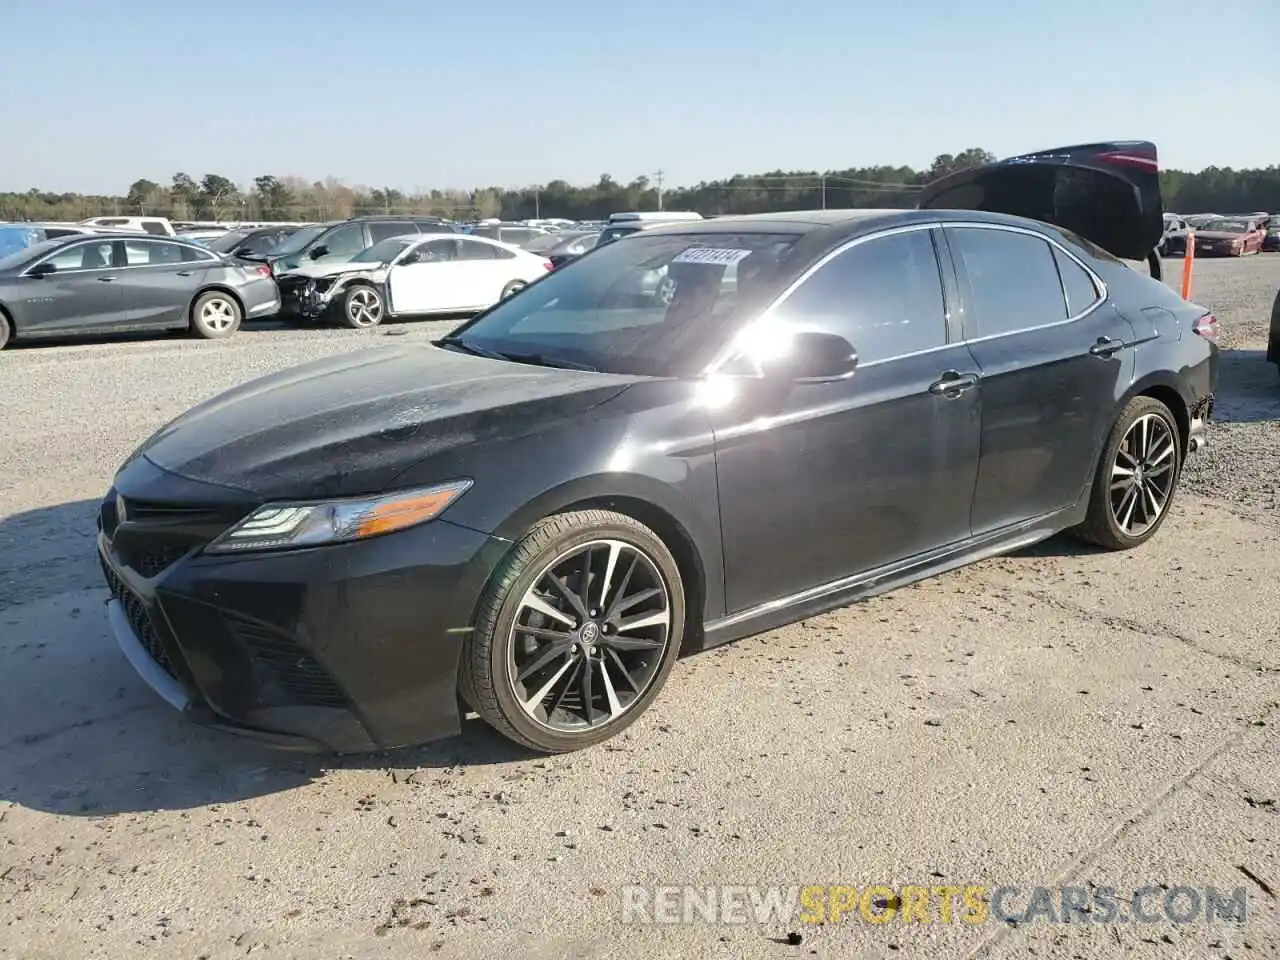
83,256
883,295
384,252
1012,281
299,240
345,241
656,305
439,251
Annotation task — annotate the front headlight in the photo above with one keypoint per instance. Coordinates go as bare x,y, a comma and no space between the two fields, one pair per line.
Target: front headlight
277,526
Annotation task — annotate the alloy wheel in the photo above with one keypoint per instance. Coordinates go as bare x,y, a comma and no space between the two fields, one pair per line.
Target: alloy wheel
589,636
218,315
364,307
1143,474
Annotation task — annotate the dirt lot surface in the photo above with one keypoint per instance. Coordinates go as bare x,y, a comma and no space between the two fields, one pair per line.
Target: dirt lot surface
1059,716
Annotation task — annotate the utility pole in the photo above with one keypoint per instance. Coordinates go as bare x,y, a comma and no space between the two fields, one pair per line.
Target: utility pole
657,179
537,203
824,191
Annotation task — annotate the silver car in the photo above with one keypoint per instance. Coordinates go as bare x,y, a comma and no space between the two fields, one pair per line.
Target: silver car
118,283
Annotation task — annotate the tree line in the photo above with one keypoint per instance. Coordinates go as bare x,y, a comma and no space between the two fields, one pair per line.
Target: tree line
269,197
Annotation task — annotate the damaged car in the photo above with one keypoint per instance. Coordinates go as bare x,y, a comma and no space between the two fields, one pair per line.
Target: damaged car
410,275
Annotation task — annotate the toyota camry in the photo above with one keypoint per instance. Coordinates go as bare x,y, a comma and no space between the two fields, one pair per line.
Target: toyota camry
701,432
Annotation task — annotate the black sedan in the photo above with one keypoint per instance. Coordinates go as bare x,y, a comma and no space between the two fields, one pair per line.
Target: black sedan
536,514
128,283
564,247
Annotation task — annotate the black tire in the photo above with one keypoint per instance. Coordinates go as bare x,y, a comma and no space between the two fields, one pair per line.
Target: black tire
485,680
6,329
1101,525
363,306
512,288
215,315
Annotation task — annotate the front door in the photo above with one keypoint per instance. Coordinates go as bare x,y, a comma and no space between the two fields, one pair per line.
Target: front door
826,480
81,295
1051,353
426,283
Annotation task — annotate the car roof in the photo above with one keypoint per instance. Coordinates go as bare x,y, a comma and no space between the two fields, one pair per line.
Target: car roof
833,222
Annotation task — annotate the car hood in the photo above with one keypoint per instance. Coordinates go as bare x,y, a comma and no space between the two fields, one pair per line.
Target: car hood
331,269
351,424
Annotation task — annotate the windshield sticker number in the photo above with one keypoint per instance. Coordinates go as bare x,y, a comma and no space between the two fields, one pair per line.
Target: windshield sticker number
715,256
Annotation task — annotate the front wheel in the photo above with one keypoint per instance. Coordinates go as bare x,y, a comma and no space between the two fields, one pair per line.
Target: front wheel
1136,478
362,307
215,315
577,633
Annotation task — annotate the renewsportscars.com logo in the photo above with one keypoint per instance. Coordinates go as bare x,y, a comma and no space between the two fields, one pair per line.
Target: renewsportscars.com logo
918,903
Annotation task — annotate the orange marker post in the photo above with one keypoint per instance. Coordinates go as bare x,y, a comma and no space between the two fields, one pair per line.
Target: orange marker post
1188,264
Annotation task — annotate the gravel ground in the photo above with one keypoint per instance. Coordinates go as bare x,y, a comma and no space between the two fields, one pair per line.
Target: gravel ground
1057,716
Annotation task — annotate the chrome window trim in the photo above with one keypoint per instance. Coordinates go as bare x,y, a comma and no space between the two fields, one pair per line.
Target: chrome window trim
206,255
728,353
1099,285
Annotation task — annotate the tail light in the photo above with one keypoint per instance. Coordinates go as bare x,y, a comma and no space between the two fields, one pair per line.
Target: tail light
1207,327
262,270
548,265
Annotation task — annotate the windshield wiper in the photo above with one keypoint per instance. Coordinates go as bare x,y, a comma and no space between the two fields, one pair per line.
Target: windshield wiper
471,348
534,359
542,360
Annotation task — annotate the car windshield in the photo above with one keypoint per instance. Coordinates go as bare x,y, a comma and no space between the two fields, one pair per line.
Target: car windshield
27,254
228,241
552,242
1226,226
296,242
384,251
654,306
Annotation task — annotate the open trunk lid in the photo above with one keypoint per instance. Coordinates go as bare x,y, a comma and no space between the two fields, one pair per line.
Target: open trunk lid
1105,192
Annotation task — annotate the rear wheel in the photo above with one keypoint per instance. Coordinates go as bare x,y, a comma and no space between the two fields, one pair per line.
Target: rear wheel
362,307
6,330
1136,479
215,315
577,633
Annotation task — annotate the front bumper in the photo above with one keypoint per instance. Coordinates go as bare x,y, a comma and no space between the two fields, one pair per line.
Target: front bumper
347,648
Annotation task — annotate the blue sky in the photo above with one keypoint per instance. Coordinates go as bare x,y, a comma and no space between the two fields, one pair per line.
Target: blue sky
511,92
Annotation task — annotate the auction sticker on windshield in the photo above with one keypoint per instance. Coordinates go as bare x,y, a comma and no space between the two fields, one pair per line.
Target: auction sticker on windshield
718,256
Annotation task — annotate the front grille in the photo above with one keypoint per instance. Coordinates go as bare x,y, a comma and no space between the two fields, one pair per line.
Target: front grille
149,537
135,611
283,663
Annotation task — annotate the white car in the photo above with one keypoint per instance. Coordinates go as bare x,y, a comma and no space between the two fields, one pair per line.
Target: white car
411,275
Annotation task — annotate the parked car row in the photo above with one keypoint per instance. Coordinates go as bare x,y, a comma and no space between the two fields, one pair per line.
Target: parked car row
1219,235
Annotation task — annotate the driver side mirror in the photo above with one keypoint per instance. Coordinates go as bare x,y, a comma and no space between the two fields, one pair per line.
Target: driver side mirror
43,269
808,356
245,252
318,252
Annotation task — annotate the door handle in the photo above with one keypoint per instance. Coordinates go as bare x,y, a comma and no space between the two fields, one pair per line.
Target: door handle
184,273
1106,346
106,279
952,384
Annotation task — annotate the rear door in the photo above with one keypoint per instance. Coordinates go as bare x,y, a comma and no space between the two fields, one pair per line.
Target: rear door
1106,192
1051,353
482,271
159,280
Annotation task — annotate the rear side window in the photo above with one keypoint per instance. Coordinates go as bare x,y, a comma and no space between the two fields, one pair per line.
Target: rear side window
1012,281
430,226
884,296
347,239
383,231
1079,286
475,250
